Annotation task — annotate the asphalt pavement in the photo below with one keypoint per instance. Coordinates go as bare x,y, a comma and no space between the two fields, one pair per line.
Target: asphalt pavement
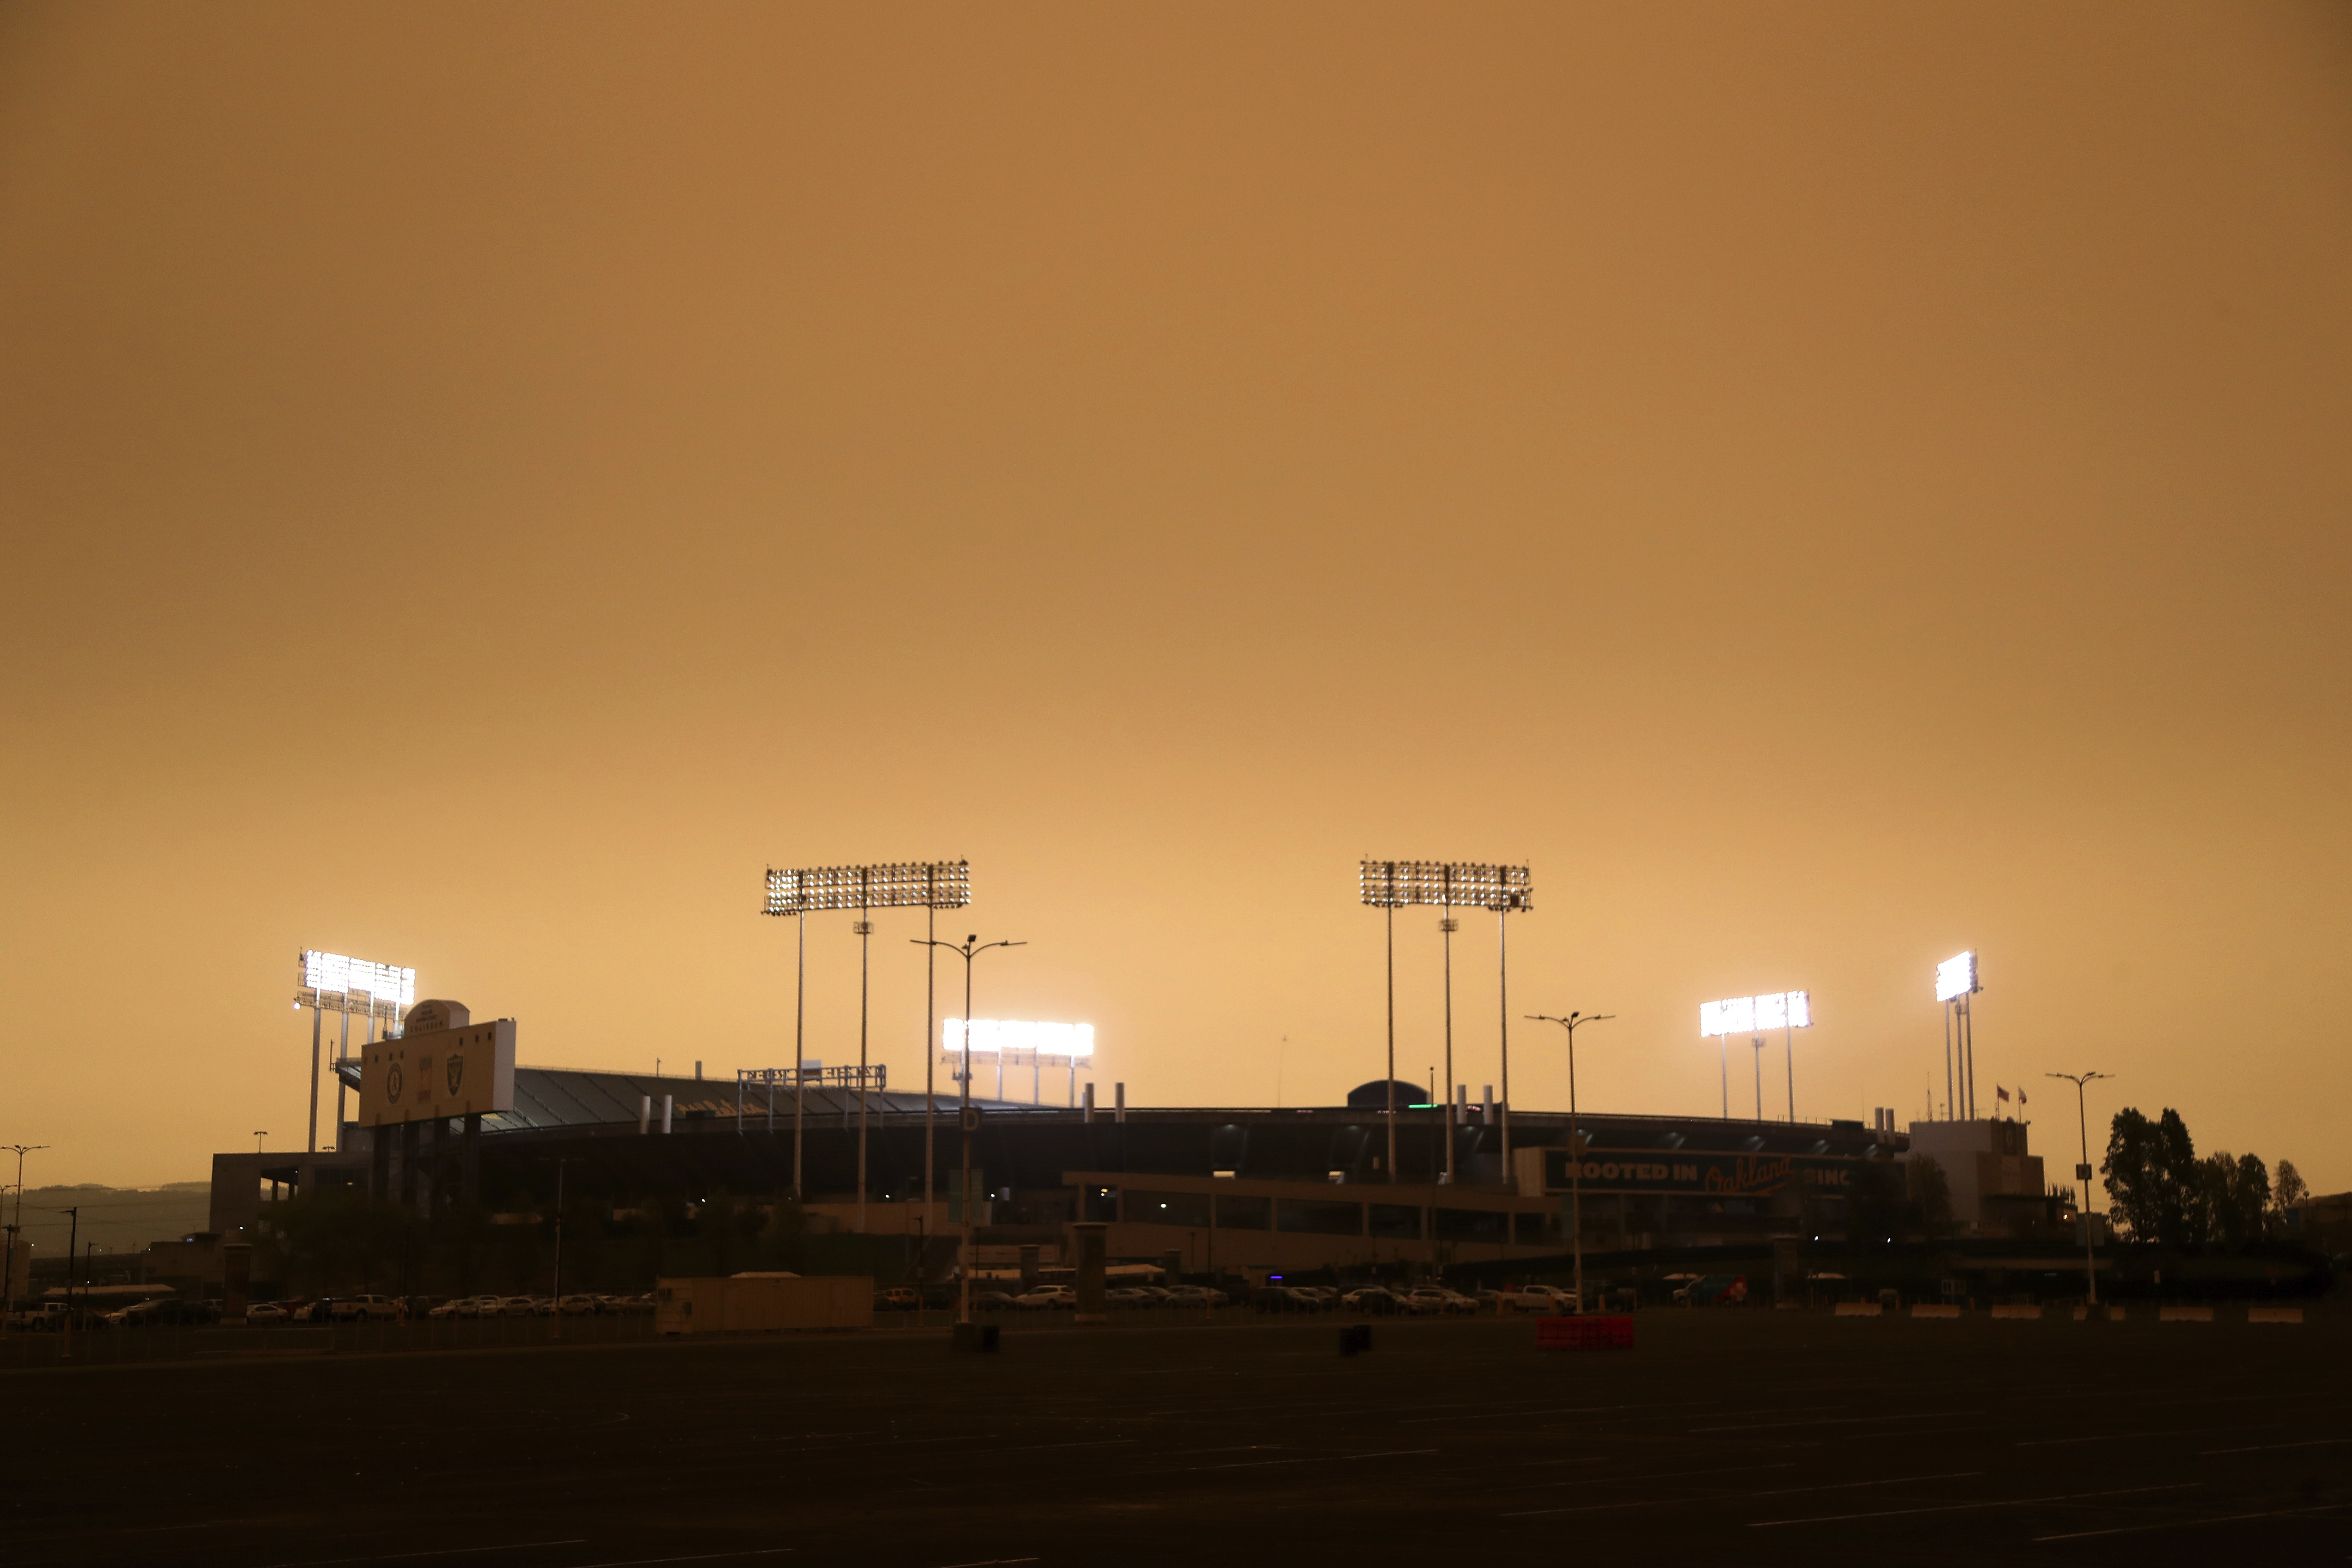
1773,1436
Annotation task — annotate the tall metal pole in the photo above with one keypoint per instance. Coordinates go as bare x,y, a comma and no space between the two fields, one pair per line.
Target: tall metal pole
931,1051
1575,1143
314,1083
800,1059
8,1269
1759,1043
865,941
1952,1098
1445,925
1968,1033
1789,1044
1389,912
2082,1175
1723,1048
343,1051
1503,952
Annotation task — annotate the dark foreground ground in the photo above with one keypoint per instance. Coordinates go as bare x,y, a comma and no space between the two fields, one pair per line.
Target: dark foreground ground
1776,1438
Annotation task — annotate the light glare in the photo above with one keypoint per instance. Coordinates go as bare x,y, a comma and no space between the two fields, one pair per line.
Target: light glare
1753,1015
1957,977
1015,1036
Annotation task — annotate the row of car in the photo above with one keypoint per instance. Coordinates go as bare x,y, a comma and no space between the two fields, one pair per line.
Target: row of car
1419,1301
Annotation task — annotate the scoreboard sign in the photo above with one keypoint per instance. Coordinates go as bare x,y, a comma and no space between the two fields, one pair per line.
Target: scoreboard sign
438,1072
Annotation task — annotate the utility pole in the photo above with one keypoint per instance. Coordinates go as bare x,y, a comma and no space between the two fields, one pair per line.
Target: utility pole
2082,1175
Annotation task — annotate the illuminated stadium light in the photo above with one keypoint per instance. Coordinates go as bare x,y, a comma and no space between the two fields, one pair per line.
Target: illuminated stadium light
1392,885
927,884
333,982
1455,884
1957,977
1733,1015
1013,1036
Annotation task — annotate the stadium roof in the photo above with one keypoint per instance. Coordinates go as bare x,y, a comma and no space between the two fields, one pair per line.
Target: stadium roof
550,1098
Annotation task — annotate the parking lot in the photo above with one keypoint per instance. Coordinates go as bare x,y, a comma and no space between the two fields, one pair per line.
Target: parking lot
1780,1437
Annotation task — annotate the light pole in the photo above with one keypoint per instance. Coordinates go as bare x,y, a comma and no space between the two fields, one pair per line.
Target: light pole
971,947
2082,1175
1572,1023
933,884
8,1267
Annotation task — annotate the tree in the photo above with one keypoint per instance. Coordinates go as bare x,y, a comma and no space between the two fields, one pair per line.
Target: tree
2287,1192
2133,1174
2155,1186
2236,1194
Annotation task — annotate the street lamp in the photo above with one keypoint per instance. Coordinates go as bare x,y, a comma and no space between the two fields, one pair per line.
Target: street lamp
971,947
1572,1023
2082,1175
8,1267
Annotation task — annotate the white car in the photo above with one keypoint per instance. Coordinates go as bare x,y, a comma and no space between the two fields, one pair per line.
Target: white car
1047,1296
1546,1299
265,1312
362,1309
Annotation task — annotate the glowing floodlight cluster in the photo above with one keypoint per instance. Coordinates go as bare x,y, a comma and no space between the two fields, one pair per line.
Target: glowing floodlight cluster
1957,977
1013,1036
333,982
1456,884
927,884
1753,1015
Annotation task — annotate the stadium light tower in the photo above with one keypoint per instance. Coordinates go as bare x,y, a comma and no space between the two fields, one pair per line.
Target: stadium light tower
331,983
932,885
971,947
1733,1015
1447,885
1956,982
1572,1023
2082,1175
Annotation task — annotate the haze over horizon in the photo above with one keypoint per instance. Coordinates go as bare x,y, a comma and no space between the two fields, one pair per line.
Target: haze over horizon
1826,487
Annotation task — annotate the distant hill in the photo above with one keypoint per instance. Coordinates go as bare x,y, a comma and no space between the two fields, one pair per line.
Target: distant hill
119,1219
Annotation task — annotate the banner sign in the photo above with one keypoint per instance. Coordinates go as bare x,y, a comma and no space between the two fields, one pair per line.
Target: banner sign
1714,1175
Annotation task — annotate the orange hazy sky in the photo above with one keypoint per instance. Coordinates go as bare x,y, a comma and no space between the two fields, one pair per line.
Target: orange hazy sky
1825,486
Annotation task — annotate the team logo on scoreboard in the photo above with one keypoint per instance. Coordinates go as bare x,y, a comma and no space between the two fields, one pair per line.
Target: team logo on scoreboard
391,1082
456,1072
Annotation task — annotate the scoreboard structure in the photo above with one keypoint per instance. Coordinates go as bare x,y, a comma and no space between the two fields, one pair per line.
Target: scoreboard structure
425,1074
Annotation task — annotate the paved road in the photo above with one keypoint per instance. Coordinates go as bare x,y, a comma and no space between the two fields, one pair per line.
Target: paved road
1781,1438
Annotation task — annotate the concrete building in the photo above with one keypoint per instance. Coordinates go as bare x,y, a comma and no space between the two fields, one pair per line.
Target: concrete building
1996,1183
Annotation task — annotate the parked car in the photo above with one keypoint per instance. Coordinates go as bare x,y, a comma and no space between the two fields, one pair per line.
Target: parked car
513,1307
1047,1296
990,1301
267,1312
1549,1299
1197,1296
460,1307
899,1298
362,1308
169,1312
40,1317
577,1305
1378,1299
